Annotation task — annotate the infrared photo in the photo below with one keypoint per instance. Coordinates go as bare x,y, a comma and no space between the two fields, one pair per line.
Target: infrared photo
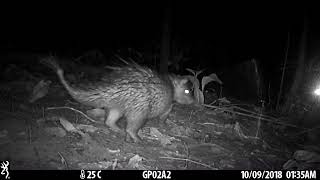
161,85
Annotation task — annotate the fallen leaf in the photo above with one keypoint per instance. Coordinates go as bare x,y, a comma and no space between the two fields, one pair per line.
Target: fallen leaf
40,90
67,125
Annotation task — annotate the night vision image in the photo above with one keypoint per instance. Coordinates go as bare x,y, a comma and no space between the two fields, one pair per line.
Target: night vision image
160,85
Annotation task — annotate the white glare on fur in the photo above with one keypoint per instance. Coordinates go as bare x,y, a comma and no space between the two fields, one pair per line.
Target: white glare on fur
186,91
317,91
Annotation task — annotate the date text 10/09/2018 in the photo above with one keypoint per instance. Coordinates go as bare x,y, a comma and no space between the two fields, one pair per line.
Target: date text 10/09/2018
297,174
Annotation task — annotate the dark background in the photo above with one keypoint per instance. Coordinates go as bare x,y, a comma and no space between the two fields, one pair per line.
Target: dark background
219,32
216,35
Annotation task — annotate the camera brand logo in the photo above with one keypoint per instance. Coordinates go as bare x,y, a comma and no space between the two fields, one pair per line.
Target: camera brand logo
5,169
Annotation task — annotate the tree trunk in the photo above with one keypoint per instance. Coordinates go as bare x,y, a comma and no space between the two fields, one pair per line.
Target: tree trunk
298,77
166,39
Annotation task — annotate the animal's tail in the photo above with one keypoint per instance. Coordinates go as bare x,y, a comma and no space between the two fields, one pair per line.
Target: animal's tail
52,63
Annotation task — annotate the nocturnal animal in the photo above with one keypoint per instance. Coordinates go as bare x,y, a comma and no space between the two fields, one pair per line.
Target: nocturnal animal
132,91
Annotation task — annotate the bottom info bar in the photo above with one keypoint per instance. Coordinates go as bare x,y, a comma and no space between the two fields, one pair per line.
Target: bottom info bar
158,174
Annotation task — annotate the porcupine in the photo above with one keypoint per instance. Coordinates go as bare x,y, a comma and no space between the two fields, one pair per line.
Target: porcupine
135,92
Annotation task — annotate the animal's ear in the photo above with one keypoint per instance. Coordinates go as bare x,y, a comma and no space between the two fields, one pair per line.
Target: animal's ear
184,81
173,79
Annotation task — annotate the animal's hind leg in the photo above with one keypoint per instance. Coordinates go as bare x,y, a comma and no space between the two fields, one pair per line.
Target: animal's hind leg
163,118
134,124
113,116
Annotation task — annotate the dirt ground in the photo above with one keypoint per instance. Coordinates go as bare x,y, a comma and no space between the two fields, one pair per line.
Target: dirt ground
43,135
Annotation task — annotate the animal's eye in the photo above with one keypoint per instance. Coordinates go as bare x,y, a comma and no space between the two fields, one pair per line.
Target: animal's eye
186,91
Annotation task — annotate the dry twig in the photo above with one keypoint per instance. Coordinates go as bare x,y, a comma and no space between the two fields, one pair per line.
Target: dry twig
65,107
256,117
195,162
